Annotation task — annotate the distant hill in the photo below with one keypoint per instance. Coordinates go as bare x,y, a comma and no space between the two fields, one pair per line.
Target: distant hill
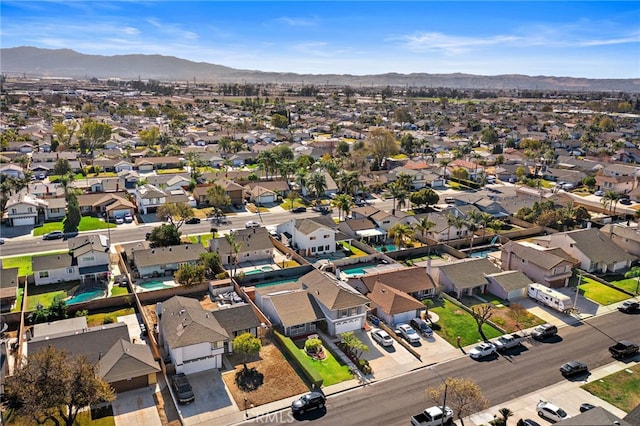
34,61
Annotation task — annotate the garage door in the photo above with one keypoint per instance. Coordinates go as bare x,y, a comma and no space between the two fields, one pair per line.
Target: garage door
200,365
24,221
348,325
404,317
127,385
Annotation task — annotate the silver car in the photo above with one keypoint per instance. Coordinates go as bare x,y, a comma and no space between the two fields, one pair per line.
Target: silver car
408,333
382,337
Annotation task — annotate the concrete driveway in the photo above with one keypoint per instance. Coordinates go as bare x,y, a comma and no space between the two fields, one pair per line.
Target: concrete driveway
212,399
136,407
386,361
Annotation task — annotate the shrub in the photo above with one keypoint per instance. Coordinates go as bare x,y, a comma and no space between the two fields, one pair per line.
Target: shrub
312,345
310,373
109,320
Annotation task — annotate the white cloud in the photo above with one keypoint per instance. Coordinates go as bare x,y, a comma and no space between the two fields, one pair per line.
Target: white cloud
297,21
450,44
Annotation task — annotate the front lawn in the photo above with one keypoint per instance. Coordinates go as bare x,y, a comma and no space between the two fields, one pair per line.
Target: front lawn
23,263
505,316
601,293
629,284
455,322
621,389
87,223
288,205
330,369
84,419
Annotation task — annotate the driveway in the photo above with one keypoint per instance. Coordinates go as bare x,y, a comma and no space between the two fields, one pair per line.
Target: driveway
386,361
136,407
212,399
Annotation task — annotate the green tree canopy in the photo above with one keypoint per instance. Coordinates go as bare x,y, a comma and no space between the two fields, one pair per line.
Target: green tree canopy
165,235
246,344
73,217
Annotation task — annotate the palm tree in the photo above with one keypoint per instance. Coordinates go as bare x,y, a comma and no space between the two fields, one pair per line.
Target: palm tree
65,181
485,219
318,182
453,221
234,249
496,226
444,163
343,202
400,232
424,226
268,162
472,227
613,197
398,193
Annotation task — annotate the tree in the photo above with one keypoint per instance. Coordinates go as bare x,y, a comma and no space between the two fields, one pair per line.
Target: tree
464,396
175,213
424,226
518,313
211,262
234,249
505,413
73,217
612,198
92,135
400,233
63,132
318,183
280,121
246,344
165,235
149,136
62,167
344,203
48,383
481,313
381,143
353,345
218,197
188,274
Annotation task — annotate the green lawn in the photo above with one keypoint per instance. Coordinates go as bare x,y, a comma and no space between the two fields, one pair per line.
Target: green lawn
455,322
20,294
355,251
118,291
110,317
601,293
621,389
628,284
204,239
83,419
330,369
87,223
23,263
45,298
286,204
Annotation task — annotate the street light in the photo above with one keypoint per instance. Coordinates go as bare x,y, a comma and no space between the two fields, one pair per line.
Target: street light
575,301
444,400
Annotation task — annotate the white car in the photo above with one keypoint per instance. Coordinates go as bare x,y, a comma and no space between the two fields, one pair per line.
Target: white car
382,337
252,224
408,333
551,412
482,350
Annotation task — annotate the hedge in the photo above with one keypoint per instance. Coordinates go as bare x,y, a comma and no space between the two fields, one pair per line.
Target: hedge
310,373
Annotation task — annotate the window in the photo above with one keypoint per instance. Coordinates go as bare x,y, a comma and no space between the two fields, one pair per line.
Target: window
14,211
326,248
313,249
312,238
326,236
44,274
343,313
88,259
69,270
319,249
29,210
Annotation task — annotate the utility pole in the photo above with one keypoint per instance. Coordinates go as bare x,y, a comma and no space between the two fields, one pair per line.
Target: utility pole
444,400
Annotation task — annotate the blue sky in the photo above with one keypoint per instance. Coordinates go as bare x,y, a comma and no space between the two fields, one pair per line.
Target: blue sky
571,38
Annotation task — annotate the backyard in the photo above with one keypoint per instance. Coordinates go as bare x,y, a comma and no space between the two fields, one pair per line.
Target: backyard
600,293
621,389
44,295
455,321
87,223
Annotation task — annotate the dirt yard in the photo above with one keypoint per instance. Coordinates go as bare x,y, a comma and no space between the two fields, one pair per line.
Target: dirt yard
512,318
279,379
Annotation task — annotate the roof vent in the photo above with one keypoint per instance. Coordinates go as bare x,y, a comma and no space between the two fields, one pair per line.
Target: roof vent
170,248
153,250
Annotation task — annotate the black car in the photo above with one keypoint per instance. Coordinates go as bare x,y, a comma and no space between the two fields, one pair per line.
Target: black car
544,331
182,388
629,306
299,210
586,407
421,326
308,402
625,201
573,368
53,235
192,220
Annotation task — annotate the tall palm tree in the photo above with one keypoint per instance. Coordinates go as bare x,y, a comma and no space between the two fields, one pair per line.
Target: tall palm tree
234,249
400,232
398,193
343,202
613,197
485,219
454,222
444,163
318,182
424,226
496,226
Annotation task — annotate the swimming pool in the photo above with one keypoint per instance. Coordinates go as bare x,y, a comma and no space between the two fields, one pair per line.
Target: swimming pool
354,272
85,296
259,271
156,285
482,253
388,247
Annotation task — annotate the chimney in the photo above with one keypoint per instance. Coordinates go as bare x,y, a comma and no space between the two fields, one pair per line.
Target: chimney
429,266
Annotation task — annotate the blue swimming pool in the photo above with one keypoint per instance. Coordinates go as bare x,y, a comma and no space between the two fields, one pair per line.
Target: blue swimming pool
482,253
272,283
354,272
155,285
388,247
85,296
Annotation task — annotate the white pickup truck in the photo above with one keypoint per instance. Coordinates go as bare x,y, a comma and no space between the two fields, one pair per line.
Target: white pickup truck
433,416
508,341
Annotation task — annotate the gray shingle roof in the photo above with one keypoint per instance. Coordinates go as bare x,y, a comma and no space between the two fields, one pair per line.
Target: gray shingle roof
51,261
511,280
296,308
598,247
469,273
184,323
237,317
165,255
331,293
126,360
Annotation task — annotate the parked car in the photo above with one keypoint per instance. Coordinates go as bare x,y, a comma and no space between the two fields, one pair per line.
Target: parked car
382,337
53,235
483,350
299,210
119,219
573,368
128,218
192,221
586,407
625,201
182,388
544,331
252,224
551,412
629,306
1,240
421,327
308,402
598,193
529,422
408,333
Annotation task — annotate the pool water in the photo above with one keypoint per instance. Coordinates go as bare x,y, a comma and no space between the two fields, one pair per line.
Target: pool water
272,283
259,271
482,253
155,285
85,296
388,247
354,272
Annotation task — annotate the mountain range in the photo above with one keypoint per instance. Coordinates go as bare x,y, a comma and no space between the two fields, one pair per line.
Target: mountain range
37,62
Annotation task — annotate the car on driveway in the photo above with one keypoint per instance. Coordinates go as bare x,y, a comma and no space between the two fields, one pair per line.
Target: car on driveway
53,235
408,333
551,412
483,350
586,407
119,219
625,201
252,224
629,306
128,218
192,221
573,368
382,337
421,327
308,402
182,387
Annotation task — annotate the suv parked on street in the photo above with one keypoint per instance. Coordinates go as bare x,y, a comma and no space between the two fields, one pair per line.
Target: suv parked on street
53,235
629,306
544,331
310,401
182,388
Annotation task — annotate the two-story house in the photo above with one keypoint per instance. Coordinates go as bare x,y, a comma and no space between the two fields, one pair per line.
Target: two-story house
551,267
23,209
627,237
149,198
308,236
618,177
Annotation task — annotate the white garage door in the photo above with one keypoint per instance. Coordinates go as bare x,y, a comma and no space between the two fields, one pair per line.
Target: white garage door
348,325
404,317
24,221
200,365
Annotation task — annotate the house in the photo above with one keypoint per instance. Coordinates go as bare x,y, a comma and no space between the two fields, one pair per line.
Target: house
8,288
121,363
54,268
192,336
626,237
233,190
363,229
97,204
309,237
23,209
56,208
331,188
393,306
149,198
617,177
11,170
508,285
593,249
236,320
254,245
261,195
91,255
465,277
551,267
317,297
149,164
162,261
386,220
414,281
